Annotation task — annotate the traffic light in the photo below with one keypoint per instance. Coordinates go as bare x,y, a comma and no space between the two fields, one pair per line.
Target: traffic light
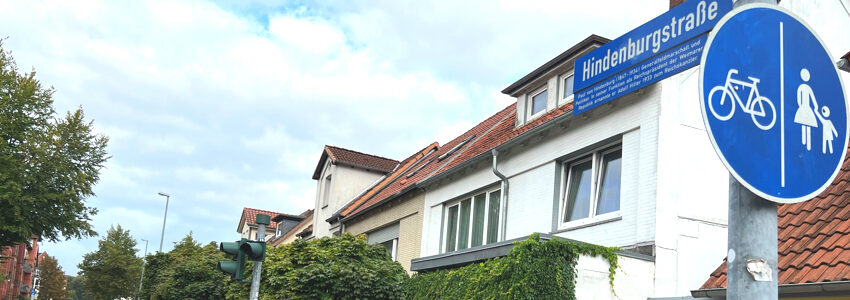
240,251
236,266
255,251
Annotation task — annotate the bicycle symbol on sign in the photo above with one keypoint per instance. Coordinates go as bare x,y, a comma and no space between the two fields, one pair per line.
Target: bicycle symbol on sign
759,107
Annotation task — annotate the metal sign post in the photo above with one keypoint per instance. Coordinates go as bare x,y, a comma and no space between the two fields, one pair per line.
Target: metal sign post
774,109
752,236
262,220
751,262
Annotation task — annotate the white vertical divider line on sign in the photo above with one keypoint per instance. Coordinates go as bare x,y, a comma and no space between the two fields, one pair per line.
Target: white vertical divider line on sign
782,103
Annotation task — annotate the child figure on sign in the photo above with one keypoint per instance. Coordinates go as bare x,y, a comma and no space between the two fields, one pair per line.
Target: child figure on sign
829,132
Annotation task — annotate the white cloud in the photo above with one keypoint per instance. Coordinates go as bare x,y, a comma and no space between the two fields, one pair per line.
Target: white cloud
310,35
224,110
448,132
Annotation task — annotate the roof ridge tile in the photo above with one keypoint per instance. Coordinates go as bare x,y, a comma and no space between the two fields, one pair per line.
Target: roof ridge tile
363,153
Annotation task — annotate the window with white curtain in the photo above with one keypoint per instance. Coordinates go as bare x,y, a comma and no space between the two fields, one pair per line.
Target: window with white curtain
472,221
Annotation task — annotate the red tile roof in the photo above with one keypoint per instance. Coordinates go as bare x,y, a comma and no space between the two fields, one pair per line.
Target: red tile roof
249,216
353,158
814,238
367,199
504,132
425,167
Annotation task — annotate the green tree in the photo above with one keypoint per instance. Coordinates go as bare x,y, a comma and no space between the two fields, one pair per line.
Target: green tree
188,272
75,288
52,282
344,267
155,266
48,164
113,270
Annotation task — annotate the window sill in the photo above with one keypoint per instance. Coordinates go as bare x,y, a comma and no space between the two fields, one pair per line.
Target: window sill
535,116
589,222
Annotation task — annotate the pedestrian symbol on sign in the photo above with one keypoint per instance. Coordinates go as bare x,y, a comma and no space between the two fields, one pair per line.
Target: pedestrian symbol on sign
806,114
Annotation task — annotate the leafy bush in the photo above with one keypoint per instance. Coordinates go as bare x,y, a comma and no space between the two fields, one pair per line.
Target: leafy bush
532,270
344,267
186,272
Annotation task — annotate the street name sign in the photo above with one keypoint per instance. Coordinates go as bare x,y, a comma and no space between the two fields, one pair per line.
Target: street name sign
660,48
773,103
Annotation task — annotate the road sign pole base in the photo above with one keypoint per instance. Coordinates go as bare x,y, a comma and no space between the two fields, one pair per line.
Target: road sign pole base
752,257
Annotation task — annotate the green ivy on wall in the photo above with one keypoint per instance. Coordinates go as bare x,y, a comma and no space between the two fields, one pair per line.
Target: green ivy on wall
532,270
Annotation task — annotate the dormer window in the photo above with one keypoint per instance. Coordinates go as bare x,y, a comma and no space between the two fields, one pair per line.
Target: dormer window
538,103
566,89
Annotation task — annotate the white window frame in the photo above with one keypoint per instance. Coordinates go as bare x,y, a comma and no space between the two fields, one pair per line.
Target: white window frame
530,103
326,191
596,156
450,204
395,249
562,87
277,229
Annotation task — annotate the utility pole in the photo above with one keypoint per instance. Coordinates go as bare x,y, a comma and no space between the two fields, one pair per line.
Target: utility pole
262,220
752,237
144,261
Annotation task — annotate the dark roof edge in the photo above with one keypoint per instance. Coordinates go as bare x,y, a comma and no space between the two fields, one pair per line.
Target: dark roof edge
794,289
498,249
321,164
304,233
280,217
342,163
590,40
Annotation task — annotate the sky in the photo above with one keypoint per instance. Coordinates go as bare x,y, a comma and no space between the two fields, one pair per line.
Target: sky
228,104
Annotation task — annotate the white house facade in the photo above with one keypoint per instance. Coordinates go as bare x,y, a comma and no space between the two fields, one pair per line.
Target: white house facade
637,173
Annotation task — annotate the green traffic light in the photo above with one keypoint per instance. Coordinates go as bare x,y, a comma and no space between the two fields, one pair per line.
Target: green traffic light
231,248
255,251
236,266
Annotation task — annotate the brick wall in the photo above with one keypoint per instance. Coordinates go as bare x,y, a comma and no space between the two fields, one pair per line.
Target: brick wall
12,268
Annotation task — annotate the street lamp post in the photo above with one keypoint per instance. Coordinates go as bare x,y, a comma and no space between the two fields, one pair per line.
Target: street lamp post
144,258
164,217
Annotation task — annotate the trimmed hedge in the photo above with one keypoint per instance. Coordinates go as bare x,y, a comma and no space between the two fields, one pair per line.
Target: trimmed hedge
532,270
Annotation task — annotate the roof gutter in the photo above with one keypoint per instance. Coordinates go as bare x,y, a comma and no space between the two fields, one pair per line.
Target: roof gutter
834,288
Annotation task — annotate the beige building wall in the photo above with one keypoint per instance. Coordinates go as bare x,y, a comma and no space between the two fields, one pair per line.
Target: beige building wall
407,211
248,232
346,183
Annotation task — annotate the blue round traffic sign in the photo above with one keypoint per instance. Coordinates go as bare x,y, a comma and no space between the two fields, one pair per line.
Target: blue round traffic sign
773,103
